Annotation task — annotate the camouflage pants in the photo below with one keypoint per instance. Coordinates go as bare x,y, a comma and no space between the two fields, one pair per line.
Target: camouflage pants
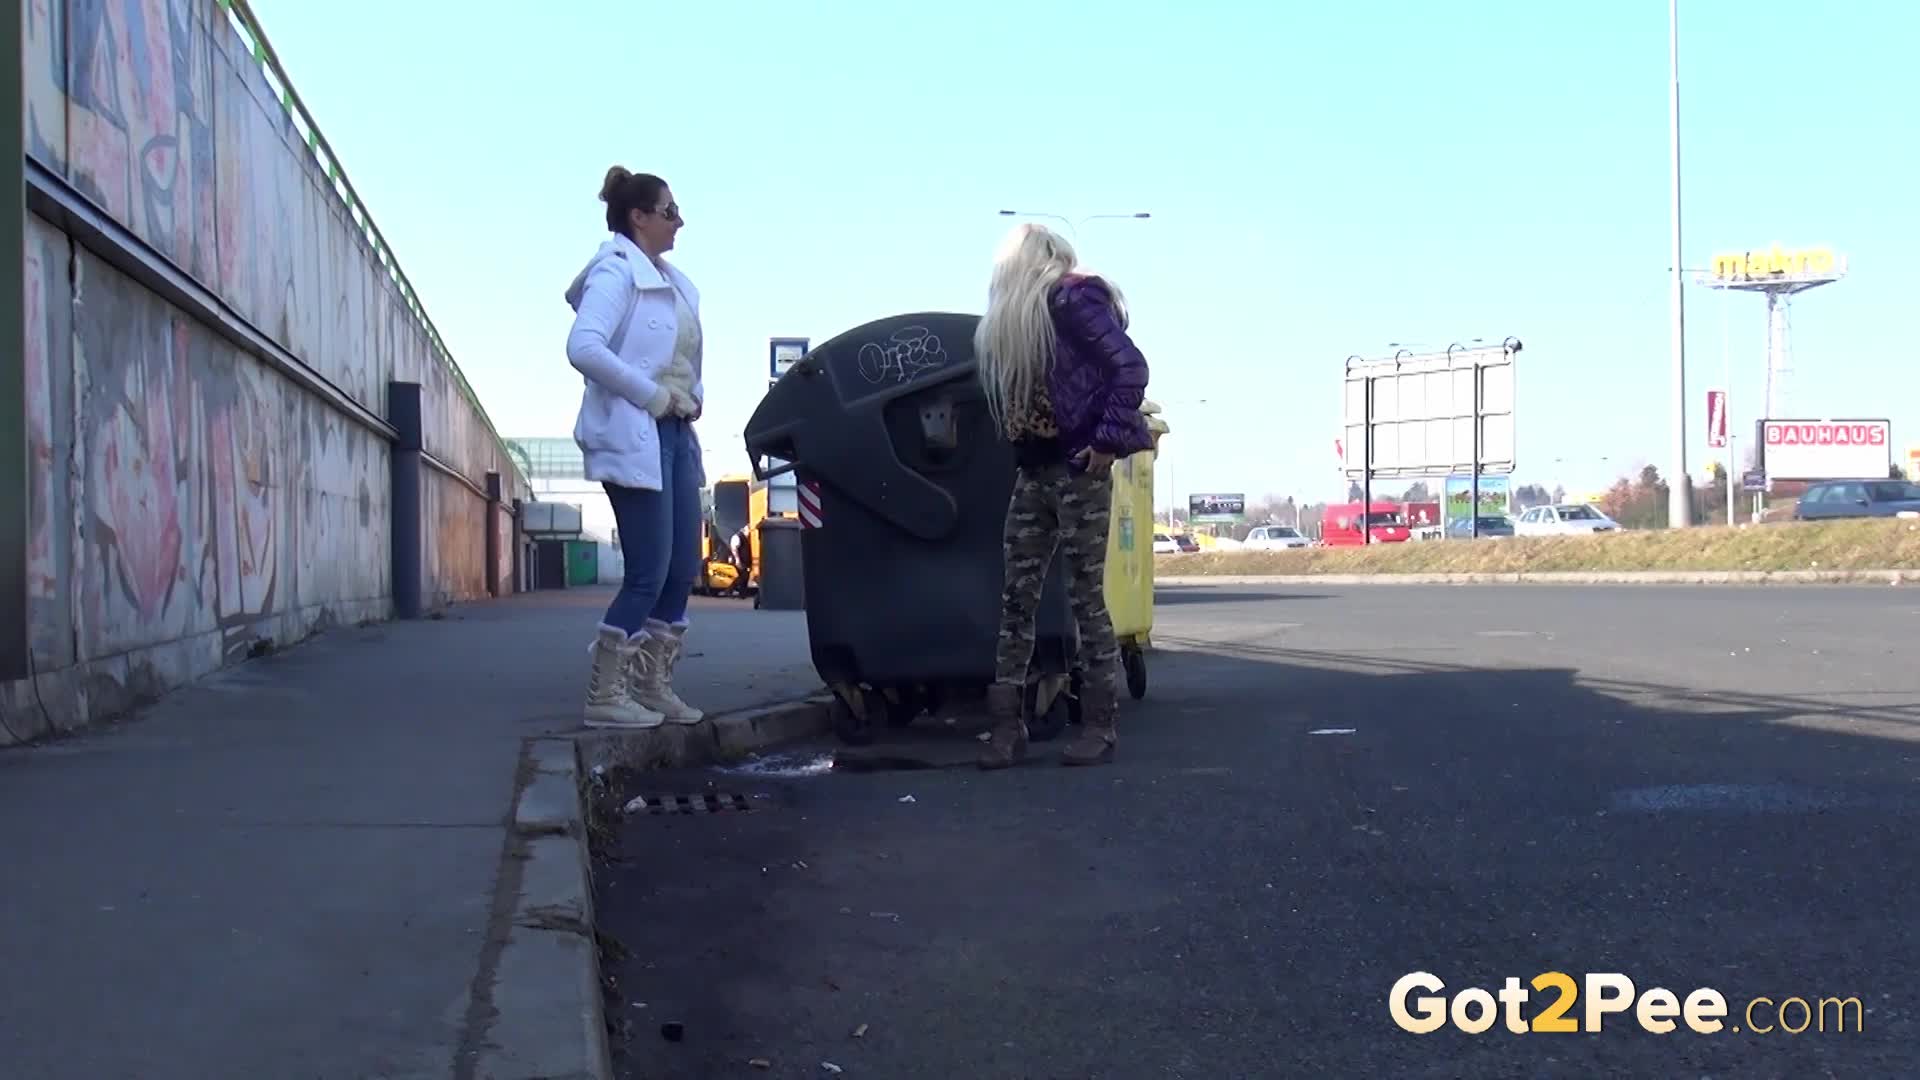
1057,508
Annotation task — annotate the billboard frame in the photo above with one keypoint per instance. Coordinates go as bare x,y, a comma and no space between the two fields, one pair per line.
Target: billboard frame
1364,376
1216,519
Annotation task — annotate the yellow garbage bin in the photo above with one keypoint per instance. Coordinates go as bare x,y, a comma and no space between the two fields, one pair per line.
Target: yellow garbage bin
1129,577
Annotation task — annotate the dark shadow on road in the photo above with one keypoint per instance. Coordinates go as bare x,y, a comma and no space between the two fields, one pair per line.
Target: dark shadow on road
1174,595
1283,836
1902,712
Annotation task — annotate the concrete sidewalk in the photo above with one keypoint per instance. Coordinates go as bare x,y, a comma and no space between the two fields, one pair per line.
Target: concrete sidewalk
289,870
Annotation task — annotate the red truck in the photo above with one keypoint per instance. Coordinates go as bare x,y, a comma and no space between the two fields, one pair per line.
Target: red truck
1385,521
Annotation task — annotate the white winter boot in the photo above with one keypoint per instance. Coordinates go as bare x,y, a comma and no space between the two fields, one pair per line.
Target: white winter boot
609,703
651,678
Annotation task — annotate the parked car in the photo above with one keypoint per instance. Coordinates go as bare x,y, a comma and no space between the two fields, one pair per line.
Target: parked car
1564,519
1275,538
1832,499
1341,525
1187,544
1164,544
1494,525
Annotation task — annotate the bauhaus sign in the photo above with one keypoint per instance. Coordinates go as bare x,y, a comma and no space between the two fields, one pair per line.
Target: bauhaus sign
1827,449
1760,265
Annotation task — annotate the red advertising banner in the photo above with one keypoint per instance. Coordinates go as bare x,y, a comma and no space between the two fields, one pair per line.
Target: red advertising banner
1716,418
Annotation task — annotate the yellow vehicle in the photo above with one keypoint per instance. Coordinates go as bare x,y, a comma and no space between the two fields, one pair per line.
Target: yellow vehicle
738,502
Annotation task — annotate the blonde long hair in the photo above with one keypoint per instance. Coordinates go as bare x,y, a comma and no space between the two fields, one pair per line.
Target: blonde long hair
1014,342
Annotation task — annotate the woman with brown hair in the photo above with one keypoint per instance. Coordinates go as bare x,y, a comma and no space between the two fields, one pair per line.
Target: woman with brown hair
636,339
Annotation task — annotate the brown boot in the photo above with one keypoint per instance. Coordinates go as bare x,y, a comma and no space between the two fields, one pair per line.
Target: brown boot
1098,734
1009,742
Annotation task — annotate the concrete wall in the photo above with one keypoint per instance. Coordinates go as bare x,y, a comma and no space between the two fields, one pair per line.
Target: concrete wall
189,500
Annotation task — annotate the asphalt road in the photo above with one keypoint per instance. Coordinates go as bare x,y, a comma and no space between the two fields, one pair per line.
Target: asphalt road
1323,791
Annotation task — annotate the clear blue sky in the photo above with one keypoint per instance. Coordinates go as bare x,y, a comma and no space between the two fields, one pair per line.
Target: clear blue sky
1323,178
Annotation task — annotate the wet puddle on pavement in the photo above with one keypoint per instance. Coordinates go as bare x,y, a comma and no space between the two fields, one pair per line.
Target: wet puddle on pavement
906,751
790,764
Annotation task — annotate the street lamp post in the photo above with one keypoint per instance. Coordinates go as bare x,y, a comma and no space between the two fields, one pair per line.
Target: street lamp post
1073,225
1679,503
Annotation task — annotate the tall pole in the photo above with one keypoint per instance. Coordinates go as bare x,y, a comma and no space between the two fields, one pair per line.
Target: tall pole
1073,227
1731,482
1726,384
1679,505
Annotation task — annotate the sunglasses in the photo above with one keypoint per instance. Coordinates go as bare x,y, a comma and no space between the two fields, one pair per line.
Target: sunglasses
671,211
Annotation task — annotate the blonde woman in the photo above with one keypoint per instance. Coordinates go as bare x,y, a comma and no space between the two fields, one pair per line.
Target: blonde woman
1064,383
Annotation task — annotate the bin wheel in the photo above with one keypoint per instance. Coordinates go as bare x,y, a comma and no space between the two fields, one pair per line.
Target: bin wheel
1046,726
904,712
1135,662
852,728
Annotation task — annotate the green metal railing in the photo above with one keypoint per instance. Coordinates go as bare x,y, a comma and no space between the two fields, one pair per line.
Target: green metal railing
241,17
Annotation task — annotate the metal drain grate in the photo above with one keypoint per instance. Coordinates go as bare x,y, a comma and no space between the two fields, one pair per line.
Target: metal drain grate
710,803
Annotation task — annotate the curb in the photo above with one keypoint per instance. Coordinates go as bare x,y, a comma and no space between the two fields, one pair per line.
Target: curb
723,738
1621,577
549,1021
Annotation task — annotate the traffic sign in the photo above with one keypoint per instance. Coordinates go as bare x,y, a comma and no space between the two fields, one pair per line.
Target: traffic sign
783,353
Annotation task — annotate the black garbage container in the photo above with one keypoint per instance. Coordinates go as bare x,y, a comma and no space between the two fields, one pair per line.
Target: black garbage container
888,426
782,569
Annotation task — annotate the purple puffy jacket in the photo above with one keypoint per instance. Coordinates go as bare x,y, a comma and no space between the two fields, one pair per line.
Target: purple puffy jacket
1099,376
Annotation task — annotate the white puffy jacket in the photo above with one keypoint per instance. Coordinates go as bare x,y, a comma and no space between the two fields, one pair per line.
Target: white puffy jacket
617,430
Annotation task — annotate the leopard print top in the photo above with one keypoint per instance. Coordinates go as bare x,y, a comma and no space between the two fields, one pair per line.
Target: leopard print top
1033,418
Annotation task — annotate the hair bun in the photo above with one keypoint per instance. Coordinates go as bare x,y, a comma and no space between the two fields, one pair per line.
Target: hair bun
615,177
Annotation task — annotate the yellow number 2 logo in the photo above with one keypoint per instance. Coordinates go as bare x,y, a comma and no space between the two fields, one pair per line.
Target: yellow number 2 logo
1554,1017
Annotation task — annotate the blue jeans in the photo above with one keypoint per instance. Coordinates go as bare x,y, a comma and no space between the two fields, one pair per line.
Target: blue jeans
659,535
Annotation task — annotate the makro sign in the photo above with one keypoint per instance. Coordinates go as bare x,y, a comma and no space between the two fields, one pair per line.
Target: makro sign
1774,262
1827,449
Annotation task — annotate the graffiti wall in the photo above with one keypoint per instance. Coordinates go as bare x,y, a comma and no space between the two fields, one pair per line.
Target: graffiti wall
189,501
217,496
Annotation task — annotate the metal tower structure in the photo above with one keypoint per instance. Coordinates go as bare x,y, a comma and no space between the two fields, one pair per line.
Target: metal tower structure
1779,275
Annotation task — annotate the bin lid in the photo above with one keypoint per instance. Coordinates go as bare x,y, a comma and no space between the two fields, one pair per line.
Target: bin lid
827,414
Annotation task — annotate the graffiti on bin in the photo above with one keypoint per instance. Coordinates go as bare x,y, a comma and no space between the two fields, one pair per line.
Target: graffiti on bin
907,352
